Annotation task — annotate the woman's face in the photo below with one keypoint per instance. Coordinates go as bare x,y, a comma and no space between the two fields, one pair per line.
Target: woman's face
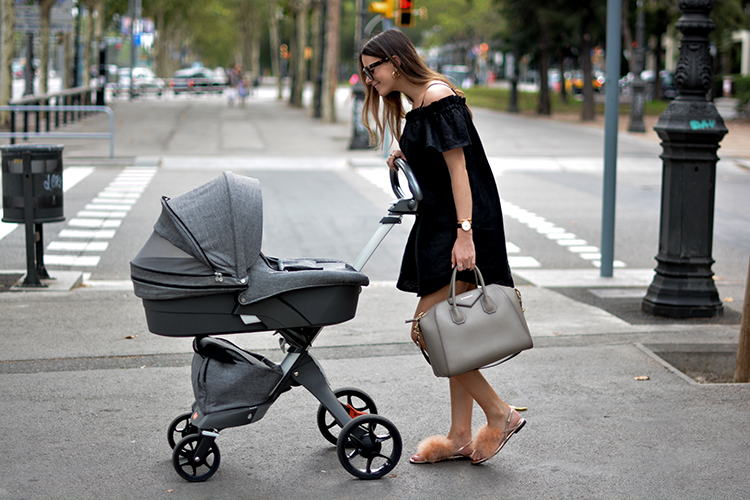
381,70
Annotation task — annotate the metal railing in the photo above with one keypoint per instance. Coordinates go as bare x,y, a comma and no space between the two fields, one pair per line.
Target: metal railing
77,96
25,109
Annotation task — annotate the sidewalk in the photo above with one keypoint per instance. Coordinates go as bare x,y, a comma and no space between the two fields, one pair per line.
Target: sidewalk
87,392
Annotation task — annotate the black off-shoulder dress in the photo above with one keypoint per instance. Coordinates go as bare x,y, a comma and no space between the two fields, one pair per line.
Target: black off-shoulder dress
426,266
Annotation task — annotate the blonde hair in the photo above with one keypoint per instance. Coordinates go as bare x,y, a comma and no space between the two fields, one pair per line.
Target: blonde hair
391,43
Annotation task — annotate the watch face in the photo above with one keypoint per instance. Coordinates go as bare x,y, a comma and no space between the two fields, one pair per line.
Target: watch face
466,225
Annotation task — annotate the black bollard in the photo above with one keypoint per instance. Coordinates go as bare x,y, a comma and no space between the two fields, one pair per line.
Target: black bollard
690,129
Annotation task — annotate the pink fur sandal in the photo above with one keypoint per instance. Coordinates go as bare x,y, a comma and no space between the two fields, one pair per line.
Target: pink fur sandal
488,441
438,449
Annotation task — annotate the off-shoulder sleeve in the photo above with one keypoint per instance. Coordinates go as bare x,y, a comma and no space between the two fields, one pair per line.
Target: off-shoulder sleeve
445,125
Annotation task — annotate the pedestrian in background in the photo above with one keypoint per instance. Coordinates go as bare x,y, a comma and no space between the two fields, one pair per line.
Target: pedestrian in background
459,221
233,80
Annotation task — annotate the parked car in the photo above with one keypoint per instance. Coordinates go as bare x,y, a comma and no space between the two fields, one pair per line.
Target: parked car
144,82
574,81
196,80
459,75
668,90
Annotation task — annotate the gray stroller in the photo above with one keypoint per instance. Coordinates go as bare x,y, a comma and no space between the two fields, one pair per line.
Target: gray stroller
202,273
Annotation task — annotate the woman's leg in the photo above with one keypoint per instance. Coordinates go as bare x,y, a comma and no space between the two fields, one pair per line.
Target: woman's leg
502,421
481,391
462,402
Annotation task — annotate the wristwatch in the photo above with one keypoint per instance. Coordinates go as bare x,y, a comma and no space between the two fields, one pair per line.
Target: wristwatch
464,224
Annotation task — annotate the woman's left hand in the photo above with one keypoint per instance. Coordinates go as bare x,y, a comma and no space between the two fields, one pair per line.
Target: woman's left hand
391,160
463,254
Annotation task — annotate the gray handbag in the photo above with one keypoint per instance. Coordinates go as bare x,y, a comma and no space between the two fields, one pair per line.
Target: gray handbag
472,330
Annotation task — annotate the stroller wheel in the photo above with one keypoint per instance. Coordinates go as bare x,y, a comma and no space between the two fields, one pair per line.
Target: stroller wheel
355,402
179,428
192,468
369,446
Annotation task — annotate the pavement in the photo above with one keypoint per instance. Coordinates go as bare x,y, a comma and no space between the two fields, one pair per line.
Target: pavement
614,405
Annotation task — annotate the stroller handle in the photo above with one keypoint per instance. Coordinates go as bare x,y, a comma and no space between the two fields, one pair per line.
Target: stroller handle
416,192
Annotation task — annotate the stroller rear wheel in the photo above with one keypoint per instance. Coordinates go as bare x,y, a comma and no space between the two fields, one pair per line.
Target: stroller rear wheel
354,401
369,446
179,428
195,468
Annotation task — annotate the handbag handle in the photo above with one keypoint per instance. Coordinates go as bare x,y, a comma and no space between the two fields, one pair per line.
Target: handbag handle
487,305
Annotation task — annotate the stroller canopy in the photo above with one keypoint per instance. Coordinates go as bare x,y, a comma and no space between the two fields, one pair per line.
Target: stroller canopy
204,241
211,223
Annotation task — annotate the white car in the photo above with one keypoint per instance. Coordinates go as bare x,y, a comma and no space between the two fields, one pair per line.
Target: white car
144,82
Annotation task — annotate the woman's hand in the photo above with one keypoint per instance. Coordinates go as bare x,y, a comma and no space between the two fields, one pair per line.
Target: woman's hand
464,255
391,160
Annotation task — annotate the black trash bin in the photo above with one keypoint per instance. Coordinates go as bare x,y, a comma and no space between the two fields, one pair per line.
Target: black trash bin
45,170
32,178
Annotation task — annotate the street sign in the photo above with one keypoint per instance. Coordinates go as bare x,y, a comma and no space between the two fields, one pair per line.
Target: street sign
28,17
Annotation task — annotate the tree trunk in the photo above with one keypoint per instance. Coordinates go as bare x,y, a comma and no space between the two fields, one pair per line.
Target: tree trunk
87,41
6,59
588,113
627,38
273,29
331,61
300,76
544,107
160,52
563,90
742,365
45,8
317,49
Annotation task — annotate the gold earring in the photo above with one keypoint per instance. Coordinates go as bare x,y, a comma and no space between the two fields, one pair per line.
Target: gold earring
395,74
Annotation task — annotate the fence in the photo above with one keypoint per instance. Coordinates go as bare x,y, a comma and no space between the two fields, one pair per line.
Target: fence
76,104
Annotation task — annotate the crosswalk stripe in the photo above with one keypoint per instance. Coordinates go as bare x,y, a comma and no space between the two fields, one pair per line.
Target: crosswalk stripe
99,220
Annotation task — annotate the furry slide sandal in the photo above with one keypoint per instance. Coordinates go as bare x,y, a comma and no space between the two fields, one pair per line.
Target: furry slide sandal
489,441
438,449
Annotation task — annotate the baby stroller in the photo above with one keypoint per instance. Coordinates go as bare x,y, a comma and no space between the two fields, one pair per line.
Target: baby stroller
202,273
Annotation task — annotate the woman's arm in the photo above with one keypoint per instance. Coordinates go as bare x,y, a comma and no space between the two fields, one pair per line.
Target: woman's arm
463,254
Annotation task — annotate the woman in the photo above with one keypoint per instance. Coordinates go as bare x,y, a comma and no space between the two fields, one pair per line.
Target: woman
459,221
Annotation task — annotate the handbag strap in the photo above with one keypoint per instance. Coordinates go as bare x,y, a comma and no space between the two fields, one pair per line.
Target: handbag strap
418,335
487,305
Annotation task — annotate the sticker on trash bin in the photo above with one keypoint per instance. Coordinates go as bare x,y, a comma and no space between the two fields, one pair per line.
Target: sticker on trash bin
53,181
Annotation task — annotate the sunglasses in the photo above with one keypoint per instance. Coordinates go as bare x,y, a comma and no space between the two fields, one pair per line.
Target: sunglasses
367,70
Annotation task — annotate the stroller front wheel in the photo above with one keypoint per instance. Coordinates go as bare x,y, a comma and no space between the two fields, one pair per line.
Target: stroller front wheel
189,465
369,446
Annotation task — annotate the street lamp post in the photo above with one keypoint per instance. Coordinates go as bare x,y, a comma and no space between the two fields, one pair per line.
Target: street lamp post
690,129
638,97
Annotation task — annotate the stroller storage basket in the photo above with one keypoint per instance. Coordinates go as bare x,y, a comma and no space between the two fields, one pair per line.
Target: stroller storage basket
226,377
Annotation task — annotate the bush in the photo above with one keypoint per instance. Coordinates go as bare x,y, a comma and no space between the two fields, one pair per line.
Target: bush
740,87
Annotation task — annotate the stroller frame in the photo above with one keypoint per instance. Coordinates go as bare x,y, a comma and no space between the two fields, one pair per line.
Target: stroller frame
363,434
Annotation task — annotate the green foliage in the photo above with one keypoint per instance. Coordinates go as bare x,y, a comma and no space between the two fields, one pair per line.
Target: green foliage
741,87
497,99
455,21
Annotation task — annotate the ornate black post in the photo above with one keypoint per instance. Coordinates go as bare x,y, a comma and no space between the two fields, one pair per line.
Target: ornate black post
690,129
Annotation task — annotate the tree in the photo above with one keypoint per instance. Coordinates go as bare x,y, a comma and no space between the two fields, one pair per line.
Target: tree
331,61
6,58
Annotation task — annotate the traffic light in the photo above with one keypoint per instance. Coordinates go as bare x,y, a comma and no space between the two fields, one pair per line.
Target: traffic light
404,16
385,8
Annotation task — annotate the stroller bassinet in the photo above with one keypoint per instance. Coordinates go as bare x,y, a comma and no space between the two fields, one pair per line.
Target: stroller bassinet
202,272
